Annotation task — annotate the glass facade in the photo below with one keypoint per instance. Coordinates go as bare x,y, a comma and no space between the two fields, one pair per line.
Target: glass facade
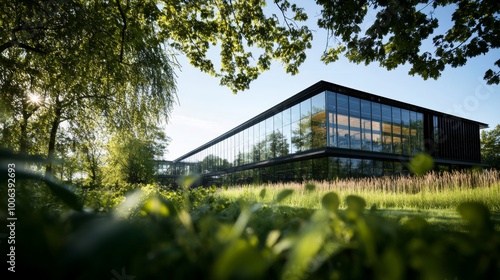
327,119
359,124
327,135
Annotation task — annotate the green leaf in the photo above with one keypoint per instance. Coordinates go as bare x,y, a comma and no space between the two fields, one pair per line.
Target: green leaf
421,163
240,260
355,203
330,202
477,217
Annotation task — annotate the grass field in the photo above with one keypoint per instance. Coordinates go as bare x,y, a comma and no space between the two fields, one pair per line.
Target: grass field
433,196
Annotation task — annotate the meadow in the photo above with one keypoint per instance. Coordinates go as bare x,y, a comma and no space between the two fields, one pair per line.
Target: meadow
433,196
435,226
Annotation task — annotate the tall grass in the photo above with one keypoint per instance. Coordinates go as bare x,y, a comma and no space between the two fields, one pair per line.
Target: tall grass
431,191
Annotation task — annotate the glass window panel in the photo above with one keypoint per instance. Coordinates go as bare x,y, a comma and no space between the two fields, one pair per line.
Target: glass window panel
376,127
255,146
287,118
305,134
405,117
343,131
436,134
354,123
295,111
344,167
245,145
297,139
405,133
278,122
331,101
413,132
354,107
318,102
318,121
378,169
229,145
333,168
217,156
223,151
355,133
398,168
269,125
235,147
342,104
331,106
376,111
388,168
356,167
332,129
318,129
366,134
262,129
305,109
396,130
366,109
366,131
343,121
287,135
268,138
262,141
420,133
386,129
276,144
256,134
367,167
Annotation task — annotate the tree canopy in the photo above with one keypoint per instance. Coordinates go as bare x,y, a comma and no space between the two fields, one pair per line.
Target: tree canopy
400,28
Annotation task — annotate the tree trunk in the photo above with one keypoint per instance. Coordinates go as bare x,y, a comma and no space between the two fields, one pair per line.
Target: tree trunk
52,139
23,141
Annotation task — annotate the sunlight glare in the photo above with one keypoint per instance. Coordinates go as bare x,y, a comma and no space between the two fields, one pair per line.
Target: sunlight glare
35,98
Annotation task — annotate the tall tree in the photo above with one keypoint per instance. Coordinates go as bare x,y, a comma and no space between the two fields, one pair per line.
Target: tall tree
490,147
131,156
99,57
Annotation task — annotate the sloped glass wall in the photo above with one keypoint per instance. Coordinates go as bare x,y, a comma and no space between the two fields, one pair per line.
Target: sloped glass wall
300,128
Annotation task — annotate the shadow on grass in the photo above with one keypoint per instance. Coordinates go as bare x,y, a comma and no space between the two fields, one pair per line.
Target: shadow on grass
442,219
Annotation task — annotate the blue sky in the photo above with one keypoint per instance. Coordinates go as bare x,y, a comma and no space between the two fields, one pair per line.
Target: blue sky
206,110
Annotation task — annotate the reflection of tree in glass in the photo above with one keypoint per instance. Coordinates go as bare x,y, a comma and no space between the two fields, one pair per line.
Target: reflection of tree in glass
275,145
213,162
310,132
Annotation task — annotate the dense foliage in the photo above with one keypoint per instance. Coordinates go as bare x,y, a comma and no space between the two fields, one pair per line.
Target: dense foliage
426,35
154,233
490,147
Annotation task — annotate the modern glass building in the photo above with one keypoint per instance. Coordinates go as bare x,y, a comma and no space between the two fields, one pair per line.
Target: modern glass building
329,131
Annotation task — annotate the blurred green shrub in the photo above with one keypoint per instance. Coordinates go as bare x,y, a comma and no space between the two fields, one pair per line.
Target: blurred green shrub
152,233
